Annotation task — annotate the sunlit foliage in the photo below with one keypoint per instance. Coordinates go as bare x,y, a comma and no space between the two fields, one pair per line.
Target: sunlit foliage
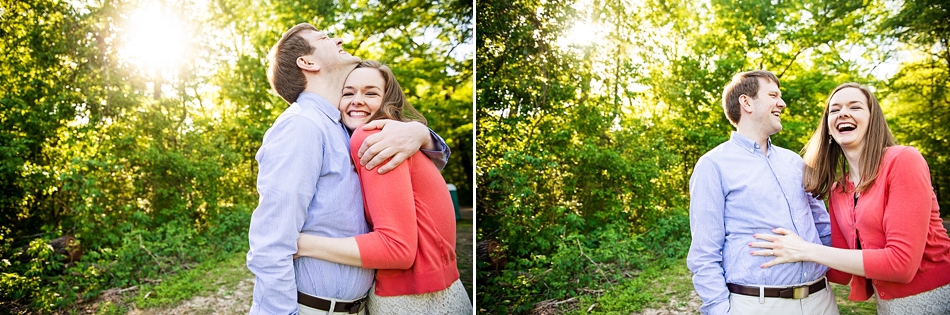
132,125
592,114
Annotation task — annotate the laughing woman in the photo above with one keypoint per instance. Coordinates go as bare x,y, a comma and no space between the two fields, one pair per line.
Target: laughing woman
887,235
413,239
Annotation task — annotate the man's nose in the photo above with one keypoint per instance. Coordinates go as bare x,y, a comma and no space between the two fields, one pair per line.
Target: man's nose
781,103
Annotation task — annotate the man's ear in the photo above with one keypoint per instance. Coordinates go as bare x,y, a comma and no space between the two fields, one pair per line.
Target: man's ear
307,65
744,103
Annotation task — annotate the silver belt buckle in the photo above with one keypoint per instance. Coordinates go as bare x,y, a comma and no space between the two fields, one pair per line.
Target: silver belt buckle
800,292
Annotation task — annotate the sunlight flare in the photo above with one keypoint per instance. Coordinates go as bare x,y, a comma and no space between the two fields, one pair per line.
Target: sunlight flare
155,38
583,34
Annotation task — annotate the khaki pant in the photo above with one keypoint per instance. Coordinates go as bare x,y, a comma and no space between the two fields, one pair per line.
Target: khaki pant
817,303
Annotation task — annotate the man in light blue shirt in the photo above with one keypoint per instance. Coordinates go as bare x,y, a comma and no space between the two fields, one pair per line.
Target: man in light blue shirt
308,184
746,186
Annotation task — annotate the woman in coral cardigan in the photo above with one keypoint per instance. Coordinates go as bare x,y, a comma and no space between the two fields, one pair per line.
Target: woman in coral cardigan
409,208
887,235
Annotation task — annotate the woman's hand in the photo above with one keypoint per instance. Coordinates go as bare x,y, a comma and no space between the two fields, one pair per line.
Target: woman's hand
786,247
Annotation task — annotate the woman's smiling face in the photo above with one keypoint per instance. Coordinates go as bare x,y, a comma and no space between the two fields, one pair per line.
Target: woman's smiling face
362,96
848,118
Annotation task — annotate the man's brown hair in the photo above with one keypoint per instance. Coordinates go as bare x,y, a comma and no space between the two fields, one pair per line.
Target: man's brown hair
743,83
283,74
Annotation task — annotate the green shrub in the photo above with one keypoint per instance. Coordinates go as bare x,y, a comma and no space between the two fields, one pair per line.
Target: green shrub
141,256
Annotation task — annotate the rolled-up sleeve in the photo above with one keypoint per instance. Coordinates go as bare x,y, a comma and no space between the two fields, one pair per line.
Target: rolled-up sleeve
289,166
707,227
439,156
822,219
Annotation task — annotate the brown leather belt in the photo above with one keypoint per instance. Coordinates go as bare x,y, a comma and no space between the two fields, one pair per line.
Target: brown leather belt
797,293
324,305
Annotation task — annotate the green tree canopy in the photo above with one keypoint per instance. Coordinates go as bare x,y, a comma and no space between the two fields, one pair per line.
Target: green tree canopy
592,114
132,125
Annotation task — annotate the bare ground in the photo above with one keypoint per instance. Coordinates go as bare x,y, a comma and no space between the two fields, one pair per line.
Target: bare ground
237,299
675,307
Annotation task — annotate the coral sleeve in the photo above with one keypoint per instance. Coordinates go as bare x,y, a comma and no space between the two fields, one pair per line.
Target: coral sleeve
390,209
906,216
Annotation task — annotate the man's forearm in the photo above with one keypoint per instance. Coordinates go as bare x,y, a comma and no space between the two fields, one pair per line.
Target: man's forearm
429,143
275,287
710,285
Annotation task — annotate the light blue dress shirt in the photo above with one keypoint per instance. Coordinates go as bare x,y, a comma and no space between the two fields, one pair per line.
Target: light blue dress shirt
307,183
736,191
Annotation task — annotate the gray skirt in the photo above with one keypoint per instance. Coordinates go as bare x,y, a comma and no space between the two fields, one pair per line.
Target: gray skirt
933,302
451,301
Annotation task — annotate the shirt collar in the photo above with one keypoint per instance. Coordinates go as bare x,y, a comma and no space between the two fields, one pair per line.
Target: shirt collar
748,145
321,104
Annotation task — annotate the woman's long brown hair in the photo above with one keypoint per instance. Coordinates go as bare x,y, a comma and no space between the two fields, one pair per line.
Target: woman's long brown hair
395,105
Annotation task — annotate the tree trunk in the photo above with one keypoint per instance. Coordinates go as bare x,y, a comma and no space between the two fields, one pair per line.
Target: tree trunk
66,247
490,251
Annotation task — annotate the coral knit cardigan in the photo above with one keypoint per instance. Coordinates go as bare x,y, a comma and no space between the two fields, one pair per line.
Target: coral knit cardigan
411,212
904,244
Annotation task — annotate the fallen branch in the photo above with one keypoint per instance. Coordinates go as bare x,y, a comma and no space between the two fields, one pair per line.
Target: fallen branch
592,291
591,307
562,302
547,305
114,291
128,289
142,245
595,264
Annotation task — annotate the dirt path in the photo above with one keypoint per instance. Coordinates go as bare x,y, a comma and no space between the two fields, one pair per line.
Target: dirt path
674,307
236,299
465,249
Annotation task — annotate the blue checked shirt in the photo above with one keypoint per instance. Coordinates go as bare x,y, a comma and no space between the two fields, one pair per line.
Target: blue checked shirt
307,183
736,191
